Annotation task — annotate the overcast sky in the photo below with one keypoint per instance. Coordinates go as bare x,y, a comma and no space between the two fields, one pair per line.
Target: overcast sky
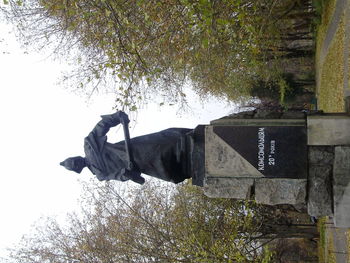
42,124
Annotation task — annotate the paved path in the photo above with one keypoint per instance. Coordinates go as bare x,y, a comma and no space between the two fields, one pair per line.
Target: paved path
339,248
332,28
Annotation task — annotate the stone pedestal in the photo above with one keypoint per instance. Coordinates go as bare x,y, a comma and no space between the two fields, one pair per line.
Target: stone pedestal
280,158
247,157
329,167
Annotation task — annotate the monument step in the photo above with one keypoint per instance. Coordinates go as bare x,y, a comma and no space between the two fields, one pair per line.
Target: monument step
328,129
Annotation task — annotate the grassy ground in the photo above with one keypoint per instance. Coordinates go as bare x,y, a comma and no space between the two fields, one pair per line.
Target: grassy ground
326,248
330,95
330,69
348,236
322,241
330,250
328,7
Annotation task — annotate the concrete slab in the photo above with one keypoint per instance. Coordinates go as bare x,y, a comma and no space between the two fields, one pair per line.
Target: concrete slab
328,130
228,187
274,191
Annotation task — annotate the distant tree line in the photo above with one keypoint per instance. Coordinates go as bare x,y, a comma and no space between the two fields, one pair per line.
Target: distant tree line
145,49
160,223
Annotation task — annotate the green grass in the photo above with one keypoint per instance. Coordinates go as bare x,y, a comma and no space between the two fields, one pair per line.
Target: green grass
330,72
326,7
330,89
348,245
321,226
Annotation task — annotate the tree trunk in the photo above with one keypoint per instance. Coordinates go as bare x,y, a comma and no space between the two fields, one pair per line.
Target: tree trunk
289,231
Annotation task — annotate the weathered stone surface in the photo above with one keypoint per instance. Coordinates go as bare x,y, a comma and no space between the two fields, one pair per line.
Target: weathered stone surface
328,130
267,114
320,195
268,117
342,206
321,155
242,115
293,115
347,101
223,161
273,191
277,113
341,165
320,192
258,122
341,186
228,187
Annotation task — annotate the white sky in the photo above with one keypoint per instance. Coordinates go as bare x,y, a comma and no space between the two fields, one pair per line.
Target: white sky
42,124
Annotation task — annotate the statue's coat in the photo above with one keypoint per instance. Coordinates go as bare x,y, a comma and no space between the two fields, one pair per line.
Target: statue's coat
159,154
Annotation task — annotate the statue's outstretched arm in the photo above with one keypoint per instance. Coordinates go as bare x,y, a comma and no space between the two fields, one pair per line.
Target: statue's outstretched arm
108,121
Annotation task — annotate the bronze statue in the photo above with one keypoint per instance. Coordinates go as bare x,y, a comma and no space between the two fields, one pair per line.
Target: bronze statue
161,154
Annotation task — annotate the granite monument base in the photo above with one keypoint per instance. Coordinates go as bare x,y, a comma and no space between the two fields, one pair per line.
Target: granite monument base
258,155
279,158
329,167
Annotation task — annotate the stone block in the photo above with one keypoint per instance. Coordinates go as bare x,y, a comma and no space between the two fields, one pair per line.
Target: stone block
342,206
321,155
228,187
241,115
341,162
347,100
267,114
320,193
341,186
274,191
223,161
328,130
293,115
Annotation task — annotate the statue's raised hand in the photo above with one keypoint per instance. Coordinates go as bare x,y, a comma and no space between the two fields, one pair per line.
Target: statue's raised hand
122,116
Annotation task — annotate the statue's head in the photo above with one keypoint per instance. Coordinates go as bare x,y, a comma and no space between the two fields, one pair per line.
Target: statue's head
75,164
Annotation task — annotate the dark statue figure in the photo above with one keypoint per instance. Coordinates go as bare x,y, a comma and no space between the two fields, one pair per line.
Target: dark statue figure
162,154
